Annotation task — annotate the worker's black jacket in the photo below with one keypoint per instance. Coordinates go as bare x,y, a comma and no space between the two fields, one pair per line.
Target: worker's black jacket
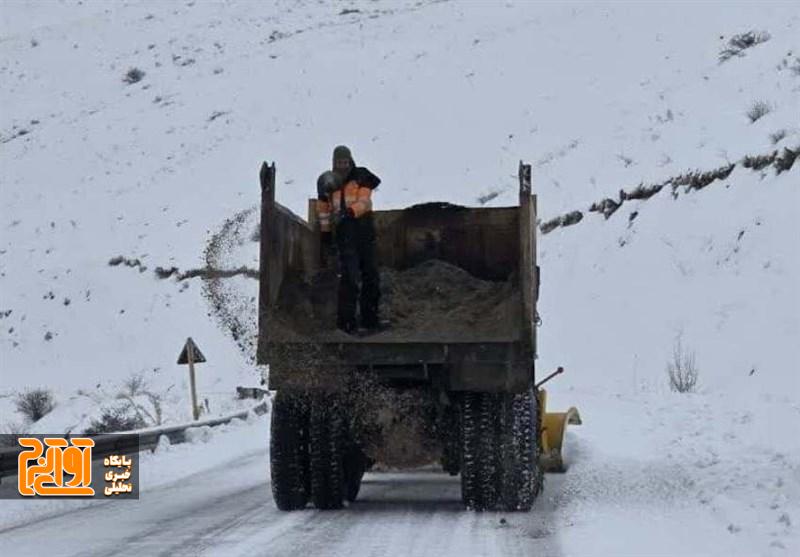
357,264
364,177
360,174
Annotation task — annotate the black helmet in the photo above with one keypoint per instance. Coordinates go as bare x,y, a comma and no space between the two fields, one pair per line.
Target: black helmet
327,183
344,158
342,152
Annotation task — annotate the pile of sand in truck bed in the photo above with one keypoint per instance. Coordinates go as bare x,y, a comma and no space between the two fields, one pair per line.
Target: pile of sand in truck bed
434,301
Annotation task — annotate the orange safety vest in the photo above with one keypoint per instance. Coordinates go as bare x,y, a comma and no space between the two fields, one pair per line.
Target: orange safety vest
357,198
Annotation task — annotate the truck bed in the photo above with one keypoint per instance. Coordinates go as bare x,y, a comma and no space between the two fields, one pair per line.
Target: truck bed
459,288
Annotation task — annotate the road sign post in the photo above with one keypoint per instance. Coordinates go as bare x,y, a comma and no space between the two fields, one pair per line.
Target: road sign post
190,355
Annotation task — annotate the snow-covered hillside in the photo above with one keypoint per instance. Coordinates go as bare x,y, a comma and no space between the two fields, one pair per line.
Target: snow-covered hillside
441,99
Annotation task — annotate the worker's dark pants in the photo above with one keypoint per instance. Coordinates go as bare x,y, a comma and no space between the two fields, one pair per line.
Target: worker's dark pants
356,243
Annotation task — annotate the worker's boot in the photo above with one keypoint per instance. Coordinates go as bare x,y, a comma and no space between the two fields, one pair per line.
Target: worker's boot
371,323
375,329
349,326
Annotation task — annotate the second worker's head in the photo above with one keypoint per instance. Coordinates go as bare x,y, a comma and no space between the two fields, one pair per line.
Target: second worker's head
342,161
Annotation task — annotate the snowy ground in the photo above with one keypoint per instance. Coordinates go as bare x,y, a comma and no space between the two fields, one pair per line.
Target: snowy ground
441,99
654,494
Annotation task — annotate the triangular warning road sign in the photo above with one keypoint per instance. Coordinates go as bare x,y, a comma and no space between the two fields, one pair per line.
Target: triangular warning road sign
197,356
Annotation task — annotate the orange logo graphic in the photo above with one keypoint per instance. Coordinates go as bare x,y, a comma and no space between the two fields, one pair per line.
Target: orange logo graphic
44,472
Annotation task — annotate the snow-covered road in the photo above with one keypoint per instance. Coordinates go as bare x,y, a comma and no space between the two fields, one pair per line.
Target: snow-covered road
229,510
636,486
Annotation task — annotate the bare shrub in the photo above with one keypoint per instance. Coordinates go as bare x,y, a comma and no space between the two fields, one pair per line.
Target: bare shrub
786,159
114,419
682,369
640,192
35,404
133,75
567,219
741,42
607,207
134,385
129,262
133,389
777,136
133,405
163,273
758,162
758,111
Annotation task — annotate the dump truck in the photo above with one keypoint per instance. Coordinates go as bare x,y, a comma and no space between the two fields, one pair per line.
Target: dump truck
457,388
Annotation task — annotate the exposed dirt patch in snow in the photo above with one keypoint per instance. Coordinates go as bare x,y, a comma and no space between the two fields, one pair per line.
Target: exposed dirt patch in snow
779,160
205,273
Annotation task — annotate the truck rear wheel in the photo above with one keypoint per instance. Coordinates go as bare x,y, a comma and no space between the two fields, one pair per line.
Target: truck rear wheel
478,453
289,452
355,465
327,446
451,441
500,449
521,476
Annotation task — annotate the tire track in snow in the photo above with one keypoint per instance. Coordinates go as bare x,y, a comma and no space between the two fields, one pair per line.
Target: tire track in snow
417,513
229,511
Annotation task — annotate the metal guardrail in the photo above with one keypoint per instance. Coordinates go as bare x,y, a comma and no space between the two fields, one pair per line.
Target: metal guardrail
140,440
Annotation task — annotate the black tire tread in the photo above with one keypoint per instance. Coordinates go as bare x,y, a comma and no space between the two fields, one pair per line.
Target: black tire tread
288,453
500,451
354,467
326,455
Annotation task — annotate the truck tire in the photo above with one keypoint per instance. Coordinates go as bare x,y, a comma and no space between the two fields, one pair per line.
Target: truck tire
355,465
289,452
451,441
521,476
500,451
327,436
479,458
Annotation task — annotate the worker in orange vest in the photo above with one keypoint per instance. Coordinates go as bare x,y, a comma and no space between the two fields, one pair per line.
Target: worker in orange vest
344,210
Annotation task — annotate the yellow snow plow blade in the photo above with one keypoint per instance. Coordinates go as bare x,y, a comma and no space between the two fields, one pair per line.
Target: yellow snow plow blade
554,427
